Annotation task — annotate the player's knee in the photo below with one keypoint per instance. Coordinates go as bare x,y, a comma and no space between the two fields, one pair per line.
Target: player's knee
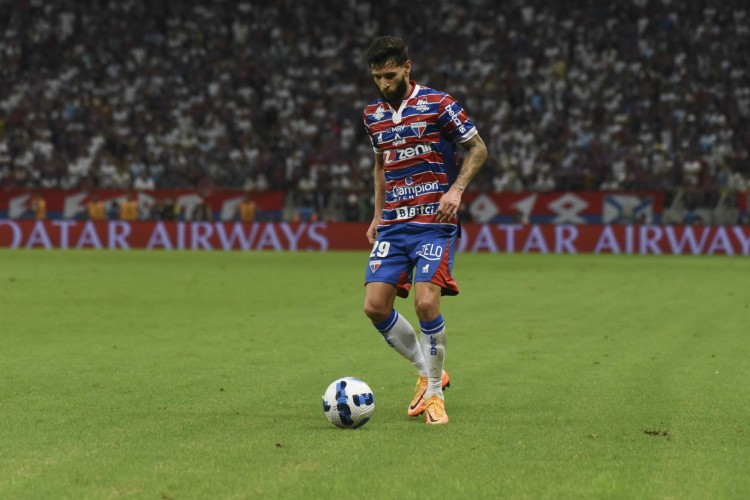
377,311
427,309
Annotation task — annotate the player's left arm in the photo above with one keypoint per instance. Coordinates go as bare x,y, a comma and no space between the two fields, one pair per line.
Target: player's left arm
476,156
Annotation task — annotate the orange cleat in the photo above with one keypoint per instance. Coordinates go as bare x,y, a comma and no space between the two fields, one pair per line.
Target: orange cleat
417,405
435,411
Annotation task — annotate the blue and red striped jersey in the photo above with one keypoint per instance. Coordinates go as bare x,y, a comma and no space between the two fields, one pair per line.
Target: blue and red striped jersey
418,144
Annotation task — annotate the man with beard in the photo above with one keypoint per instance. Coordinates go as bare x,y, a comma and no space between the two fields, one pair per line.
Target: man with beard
418,189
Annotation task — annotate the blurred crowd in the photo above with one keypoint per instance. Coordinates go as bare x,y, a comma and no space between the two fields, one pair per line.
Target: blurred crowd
257,95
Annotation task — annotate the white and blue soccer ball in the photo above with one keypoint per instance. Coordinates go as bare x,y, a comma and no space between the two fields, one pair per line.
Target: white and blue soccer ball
348,403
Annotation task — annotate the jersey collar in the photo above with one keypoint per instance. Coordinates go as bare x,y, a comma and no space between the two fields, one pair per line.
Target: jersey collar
397,114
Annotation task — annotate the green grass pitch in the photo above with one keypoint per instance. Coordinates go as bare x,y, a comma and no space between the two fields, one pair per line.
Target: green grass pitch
173,375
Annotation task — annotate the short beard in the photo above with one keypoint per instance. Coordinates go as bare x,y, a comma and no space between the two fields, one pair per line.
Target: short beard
398,95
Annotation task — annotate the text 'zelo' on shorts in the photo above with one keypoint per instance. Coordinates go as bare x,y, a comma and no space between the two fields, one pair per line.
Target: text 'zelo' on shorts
409,252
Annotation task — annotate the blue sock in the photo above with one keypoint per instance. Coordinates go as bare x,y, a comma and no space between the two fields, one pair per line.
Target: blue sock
388,323
434,326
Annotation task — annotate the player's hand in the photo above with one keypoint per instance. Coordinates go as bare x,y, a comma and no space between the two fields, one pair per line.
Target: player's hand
448,208
372,232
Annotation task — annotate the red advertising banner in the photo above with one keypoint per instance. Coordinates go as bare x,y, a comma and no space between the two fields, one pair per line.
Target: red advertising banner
584,207
16,203
322,236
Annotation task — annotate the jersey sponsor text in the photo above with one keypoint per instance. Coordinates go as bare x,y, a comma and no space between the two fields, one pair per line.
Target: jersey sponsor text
394,155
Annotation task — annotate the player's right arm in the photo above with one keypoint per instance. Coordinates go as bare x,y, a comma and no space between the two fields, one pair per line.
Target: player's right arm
379,178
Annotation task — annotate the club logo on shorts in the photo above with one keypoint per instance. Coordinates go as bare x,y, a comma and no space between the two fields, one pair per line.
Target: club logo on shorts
431,251
426,269
375,264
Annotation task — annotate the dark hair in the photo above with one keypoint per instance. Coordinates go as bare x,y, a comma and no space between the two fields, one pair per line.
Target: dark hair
387,49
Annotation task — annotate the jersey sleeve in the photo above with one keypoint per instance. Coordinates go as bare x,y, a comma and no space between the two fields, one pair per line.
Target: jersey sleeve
369,134
454,122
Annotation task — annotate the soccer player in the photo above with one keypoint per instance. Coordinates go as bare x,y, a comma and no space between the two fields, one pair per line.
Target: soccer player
418,189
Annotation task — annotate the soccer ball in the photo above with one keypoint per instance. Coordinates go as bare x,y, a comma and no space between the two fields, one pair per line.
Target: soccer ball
348,403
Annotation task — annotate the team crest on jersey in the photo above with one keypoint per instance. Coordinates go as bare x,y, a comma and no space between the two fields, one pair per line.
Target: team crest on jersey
418,128
422,105
379,113
375,264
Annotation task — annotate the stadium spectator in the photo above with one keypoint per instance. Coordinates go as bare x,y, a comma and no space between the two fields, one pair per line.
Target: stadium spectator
163,210
201,212
144,181
155,210
113,210
508,181
464,214
352,209
169,210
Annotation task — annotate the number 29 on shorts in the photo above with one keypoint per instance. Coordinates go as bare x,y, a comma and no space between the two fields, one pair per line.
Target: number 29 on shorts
380,249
